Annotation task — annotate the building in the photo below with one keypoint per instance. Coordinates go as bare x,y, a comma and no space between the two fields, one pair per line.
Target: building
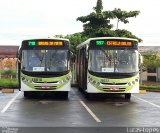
8,57
152,74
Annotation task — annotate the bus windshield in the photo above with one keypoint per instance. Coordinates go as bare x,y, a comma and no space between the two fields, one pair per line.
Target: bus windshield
45,60
113,61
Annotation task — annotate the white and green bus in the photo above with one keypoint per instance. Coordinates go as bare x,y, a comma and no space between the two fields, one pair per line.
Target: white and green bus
108,65
44,66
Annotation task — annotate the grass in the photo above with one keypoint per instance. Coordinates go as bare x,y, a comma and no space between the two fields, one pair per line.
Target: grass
150,87
8,83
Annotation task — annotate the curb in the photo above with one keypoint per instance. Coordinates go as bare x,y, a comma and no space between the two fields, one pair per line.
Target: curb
151,90
142,92
6,90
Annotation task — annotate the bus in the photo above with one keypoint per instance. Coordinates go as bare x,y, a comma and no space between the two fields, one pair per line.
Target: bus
108,65
44,66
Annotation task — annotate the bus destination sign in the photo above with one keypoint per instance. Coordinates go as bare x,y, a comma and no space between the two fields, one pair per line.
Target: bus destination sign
116,43
45,43
119,43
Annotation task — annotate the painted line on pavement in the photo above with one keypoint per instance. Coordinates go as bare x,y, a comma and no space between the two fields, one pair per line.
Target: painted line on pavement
90,112
147,101
10,102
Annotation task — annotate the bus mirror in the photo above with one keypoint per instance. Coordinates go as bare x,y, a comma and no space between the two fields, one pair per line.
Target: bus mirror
141,59
72,55
87,55
18,55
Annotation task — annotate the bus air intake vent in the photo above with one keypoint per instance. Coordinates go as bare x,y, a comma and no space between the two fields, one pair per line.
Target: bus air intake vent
45,82
114,90
114,83
45,87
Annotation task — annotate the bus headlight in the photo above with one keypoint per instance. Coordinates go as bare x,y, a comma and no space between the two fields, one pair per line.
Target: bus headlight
90,79
133,82
136,80
23,79
68,78
129,84
94,82
98,84
61,82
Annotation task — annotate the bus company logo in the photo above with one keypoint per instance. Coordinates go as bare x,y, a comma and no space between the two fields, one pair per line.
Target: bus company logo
45,86
113,88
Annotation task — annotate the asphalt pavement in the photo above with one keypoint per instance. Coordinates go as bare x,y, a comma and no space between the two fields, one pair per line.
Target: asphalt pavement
143,110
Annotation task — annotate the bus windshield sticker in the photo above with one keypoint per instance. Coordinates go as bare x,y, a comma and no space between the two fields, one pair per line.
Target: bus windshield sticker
107,69
38,69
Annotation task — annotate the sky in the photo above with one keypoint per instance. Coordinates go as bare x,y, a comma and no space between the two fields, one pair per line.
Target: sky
25,19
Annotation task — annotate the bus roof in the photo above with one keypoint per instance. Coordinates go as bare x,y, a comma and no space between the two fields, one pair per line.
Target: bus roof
44,38
99,38
55,38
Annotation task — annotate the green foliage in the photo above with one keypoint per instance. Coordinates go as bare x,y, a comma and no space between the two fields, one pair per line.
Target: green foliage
74,39
123,16
151,61
8,72
99,7
97,24
150,87
125,33
8,83
59,36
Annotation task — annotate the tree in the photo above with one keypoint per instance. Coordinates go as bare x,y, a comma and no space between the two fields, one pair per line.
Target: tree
124,15
74,39
125,33
151,60
99,7
97,24
59,36
8,64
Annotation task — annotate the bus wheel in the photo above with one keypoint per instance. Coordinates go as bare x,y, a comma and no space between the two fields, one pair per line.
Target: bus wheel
89,96
64,95
27,94
128,96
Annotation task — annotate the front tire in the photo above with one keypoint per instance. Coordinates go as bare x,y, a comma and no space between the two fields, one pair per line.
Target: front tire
64,95
128,96
27,94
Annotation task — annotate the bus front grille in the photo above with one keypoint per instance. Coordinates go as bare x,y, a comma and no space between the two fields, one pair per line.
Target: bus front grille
114,83
45,82
45,87
114,90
